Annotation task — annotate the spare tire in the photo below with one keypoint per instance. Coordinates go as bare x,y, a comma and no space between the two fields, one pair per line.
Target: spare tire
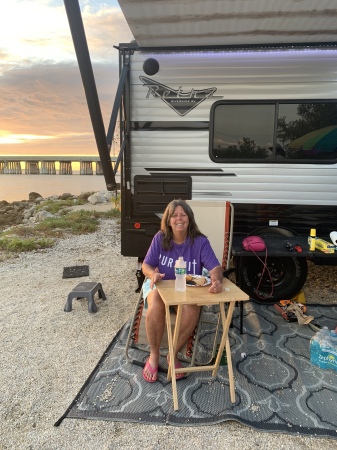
288,276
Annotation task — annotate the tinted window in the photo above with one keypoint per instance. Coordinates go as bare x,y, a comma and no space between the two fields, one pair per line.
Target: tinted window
287,131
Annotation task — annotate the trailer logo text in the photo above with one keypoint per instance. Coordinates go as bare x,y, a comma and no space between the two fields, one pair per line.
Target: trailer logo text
182,102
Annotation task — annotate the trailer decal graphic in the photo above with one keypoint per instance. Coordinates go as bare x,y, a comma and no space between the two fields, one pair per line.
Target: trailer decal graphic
182,102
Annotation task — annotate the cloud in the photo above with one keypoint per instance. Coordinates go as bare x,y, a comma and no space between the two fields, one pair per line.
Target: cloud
105,30
41,91
49,99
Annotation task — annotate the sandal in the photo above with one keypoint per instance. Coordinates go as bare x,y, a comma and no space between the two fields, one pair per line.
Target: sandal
151,370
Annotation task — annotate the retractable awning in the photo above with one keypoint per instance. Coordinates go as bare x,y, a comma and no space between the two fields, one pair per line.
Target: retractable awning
177,23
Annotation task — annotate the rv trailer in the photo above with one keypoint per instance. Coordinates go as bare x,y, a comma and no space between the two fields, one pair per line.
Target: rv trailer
252,124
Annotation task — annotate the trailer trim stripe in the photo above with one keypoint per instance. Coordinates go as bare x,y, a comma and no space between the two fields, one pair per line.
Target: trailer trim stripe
201,172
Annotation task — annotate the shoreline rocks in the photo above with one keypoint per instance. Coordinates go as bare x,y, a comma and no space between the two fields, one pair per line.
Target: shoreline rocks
13,213
25,211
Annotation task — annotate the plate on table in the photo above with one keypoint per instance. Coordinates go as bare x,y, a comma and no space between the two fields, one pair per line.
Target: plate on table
197,280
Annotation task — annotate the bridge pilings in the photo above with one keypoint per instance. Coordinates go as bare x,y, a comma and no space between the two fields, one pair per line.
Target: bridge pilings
86,168
32,167
10,167
65,168
99,168
48,167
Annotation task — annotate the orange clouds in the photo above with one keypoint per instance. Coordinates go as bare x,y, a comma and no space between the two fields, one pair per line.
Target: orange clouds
43,109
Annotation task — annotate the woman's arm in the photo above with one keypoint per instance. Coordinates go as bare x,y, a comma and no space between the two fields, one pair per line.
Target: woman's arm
152,274
216,276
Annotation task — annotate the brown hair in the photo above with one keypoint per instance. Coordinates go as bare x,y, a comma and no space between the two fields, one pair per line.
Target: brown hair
167,235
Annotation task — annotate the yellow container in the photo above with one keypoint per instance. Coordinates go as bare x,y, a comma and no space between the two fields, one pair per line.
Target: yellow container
312,239
299,298
324,246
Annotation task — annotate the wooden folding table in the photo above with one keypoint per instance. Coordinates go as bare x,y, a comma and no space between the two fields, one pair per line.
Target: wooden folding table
200,296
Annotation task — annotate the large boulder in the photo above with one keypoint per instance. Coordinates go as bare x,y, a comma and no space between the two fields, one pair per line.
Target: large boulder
42,215
33,196
98,197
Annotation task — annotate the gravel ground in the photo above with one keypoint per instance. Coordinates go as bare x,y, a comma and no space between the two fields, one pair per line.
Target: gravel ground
47,354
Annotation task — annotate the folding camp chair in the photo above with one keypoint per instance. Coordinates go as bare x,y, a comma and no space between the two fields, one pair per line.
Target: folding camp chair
215,219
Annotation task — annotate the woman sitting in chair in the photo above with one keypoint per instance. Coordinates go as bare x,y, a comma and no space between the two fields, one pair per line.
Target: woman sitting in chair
179,236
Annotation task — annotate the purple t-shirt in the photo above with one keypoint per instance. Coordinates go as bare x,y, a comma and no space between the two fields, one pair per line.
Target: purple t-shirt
197,255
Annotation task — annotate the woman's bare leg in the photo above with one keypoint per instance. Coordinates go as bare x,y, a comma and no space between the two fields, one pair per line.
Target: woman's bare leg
189,319
155,325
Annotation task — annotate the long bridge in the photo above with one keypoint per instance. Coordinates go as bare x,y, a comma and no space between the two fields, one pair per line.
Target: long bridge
35,165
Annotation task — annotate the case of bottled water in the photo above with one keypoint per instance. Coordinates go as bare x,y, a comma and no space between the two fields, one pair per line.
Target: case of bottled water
323,349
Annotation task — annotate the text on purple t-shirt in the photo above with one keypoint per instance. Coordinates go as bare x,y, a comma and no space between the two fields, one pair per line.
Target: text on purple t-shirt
197,255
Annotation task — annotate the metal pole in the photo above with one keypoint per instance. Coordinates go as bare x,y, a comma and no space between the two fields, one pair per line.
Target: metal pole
88,79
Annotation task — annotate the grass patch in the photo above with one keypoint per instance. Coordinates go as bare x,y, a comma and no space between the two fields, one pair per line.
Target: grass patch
20,231
55,206
15,244
23,238
78,222
111,214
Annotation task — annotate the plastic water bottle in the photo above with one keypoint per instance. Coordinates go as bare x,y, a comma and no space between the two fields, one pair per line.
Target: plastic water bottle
324,346
333,334
325,331
333,340
324,340
315,349
180,273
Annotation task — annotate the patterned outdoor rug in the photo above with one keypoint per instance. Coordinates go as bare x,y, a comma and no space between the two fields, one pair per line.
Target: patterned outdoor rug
277,388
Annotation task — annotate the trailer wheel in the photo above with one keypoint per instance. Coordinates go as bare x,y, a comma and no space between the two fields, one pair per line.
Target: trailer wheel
288,275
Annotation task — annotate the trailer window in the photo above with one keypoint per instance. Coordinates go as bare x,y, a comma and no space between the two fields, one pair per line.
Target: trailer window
243,131
274,131
308,131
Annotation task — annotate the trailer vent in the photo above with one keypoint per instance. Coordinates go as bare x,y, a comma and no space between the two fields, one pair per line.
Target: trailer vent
152,194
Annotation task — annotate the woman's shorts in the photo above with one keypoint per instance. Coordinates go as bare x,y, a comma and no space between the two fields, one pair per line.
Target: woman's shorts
146,288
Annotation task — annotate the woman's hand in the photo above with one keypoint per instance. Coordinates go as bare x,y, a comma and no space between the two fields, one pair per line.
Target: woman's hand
215,287
156,277
216,277
152,274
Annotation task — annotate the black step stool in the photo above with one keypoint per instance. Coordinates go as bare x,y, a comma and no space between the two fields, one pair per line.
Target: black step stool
85,290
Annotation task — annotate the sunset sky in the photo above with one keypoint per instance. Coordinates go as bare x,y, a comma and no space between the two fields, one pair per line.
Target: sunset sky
43,110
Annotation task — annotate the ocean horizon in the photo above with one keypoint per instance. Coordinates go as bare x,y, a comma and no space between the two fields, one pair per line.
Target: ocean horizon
15,187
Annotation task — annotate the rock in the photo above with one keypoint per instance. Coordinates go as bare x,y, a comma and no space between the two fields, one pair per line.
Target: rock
28,213
97,198
12,213
17,212
33,196
108,195
84,195
42,215
65,196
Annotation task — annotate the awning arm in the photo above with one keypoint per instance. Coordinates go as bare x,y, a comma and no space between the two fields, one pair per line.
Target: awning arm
88,79
117,102
120,155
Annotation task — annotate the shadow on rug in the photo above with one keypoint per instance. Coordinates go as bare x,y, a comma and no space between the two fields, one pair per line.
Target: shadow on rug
277,388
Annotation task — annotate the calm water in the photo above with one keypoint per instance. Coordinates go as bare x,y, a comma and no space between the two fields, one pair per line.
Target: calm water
17,187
